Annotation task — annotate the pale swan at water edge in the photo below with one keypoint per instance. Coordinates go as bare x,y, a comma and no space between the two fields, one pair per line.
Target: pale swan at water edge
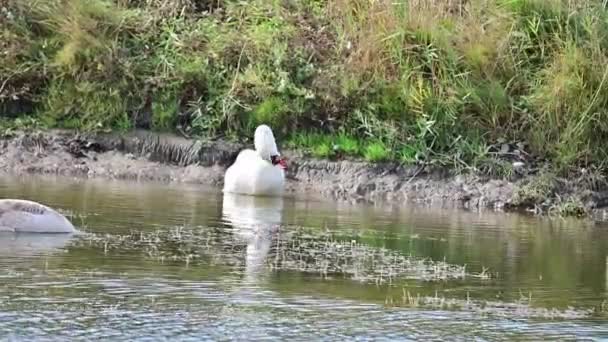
259,172
22,216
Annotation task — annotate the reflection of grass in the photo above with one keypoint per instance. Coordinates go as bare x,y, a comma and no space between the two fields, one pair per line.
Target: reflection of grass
295,250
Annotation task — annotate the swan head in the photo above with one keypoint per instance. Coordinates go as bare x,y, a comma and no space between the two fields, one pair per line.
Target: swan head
266,146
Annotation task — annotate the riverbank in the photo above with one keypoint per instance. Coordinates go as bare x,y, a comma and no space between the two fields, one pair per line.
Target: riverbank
142,155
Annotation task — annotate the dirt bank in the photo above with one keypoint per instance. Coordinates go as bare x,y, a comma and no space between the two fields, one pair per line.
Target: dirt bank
146,156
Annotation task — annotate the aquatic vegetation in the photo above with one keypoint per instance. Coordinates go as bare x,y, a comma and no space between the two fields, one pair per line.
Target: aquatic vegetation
522,308
300,250
95,303
429,81
327,256
294,249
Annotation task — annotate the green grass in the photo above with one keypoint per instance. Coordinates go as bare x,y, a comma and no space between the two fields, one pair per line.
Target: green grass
317,145
347,145
376,152
327,146
435,81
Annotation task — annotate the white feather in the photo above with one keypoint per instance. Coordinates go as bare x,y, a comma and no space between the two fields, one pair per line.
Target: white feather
252,172
264,142
22,216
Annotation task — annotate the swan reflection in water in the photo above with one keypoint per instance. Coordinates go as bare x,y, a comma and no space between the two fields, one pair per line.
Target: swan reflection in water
255,221
22,245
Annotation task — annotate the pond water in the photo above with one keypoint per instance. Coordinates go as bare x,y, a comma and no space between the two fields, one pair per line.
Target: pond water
182,262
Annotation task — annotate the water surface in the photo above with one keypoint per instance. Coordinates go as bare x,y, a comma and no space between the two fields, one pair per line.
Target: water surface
185,262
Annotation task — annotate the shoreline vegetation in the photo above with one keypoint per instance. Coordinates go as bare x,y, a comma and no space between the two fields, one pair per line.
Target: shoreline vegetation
149,156
509,90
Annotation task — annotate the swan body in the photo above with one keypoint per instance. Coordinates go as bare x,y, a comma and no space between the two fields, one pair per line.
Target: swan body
260,171
22,216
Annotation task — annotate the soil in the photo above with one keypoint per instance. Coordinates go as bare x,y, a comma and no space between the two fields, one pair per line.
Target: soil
143,155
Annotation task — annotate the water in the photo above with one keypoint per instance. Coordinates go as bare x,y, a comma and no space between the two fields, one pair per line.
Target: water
300,268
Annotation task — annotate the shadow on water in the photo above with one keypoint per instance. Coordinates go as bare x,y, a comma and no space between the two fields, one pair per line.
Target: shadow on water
180,261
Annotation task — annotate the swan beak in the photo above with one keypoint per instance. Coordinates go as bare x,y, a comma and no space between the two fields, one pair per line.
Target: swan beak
282,162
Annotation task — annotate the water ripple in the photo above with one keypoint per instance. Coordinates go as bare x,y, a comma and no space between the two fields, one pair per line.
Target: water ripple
186,263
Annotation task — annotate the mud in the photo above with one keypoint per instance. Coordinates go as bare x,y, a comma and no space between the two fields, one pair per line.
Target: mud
142,155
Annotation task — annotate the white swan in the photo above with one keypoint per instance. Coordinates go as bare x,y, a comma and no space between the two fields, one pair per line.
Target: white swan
259,172
22,216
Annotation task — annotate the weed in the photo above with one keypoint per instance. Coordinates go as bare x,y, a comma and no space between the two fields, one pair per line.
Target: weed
570,206
421,80
271,112
408,154
535,191
323,150
319,145
23,123
376,152
497,168
347,145
164,111
521,308
295,249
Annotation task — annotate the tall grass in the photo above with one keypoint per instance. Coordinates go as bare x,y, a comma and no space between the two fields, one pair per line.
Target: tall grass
420,79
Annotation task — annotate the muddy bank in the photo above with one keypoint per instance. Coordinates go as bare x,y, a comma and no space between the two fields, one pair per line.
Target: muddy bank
143,155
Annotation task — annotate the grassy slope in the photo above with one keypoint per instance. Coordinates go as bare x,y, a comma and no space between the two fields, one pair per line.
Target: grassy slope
419,80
